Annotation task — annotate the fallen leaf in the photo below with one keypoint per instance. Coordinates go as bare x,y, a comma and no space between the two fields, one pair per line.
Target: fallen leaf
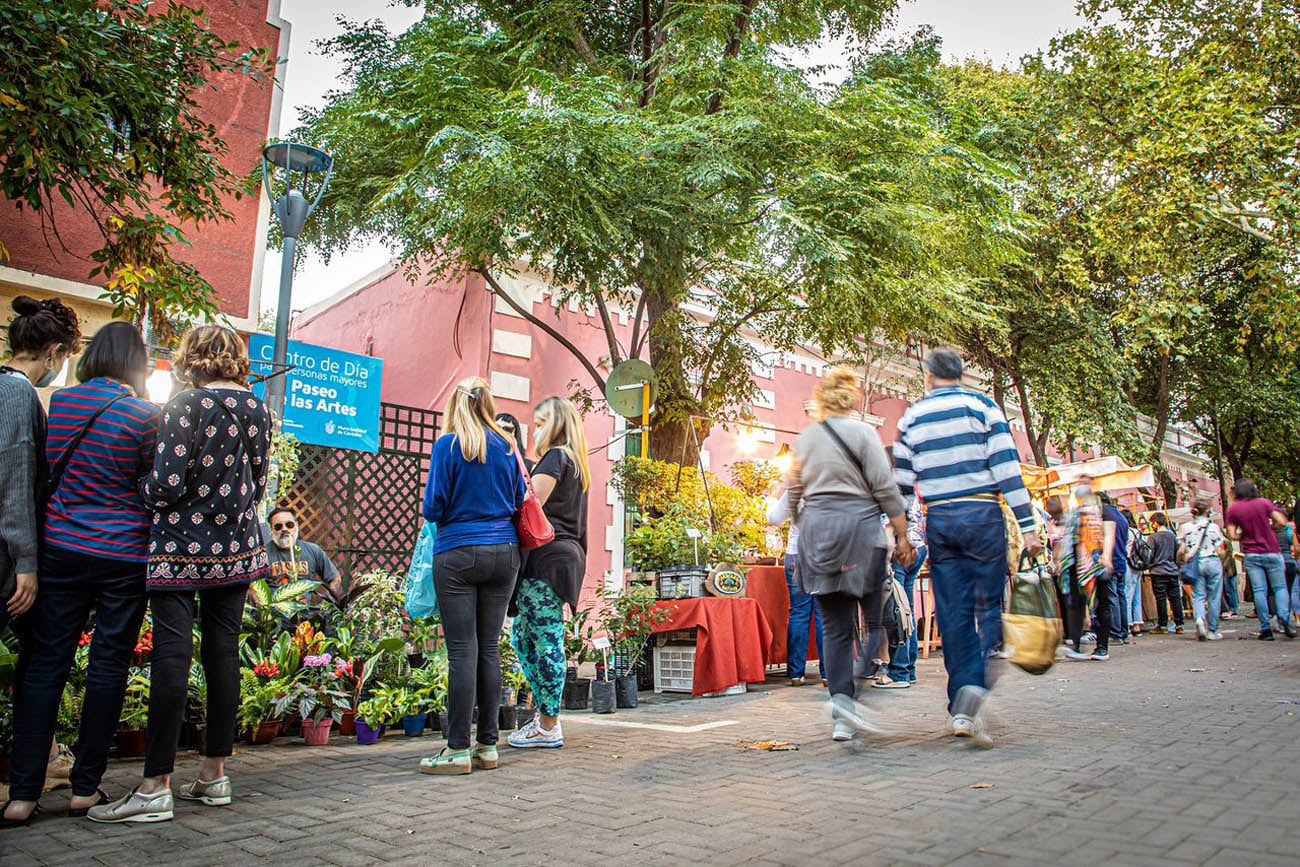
616,757
768,746
1196,669
409,831
347,800
982,786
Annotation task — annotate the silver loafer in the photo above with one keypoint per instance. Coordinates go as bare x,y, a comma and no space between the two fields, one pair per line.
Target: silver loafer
216,793
135,807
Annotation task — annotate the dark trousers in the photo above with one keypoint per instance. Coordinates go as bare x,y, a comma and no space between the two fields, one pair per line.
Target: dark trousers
71,584
1077,603
220,612
1168,589
839,612
1118,610
474,586
967,542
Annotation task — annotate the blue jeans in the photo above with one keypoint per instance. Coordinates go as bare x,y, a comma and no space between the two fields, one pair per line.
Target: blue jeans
1133,597
1207,590
1268,575
803,614
968,570
902,665
1230,592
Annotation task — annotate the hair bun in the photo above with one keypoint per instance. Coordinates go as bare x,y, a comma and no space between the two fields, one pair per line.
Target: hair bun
25,306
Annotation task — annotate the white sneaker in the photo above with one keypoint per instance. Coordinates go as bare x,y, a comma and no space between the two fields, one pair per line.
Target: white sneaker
1202,632
1071,653
1215,636
533,735
963,726
859,717
842,731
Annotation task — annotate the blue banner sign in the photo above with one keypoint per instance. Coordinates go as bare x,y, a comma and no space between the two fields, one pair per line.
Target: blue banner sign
331,397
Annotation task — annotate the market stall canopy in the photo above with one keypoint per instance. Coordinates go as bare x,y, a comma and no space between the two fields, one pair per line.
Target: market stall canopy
1108,473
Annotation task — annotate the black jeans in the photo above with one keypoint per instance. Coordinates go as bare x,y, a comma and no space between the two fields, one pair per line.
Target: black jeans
1168,588
71,584
1077,604
220,612
474,586
840,636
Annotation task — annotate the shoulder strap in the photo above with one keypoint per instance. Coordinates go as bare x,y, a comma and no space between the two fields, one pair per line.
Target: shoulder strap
57,471
848,452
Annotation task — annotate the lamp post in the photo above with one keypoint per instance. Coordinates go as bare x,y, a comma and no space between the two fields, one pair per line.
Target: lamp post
292,209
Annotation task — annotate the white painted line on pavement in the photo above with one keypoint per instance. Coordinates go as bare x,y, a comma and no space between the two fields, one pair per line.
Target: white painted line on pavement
659,727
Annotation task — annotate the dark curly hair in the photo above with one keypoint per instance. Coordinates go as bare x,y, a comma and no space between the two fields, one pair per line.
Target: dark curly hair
42,324
210,353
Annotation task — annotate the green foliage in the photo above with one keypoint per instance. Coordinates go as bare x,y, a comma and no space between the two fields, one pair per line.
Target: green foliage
629,617
135,708
655,156
578,635
99,112
671,500
259,698
270,606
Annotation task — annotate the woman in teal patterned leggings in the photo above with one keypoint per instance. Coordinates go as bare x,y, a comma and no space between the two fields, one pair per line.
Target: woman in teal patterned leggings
553,573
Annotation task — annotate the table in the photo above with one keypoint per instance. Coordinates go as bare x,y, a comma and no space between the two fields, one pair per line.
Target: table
766,585
732,642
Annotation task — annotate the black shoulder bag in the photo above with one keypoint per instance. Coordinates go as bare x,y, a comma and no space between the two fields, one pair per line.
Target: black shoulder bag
57,471
848,453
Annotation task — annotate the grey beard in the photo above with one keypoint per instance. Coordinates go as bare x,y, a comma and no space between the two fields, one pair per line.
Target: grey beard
284,543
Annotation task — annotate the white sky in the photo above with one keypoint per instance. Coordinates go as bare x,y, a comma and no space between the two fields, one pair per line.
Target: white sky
1001,31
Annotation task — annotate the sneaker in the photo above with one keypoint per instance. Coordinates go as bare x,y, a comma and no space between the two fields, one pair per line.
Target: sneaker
1178,630
57,771
969,703
1229,615
533,735
1202,631
842,731
1215,636
841,708
796,681
485,757
1100,656
1288,629
448,763
1266,636
963,726
1088,638
216,793
134,807
1077,656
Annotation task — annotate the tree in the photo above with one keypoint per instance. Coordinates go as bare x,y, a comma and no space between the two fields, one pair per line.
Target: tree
663,158
98,112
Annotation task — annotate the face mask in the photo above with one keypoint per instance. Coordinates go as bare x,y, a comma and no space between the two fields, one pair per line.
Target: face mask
50,375
537,437
1083,492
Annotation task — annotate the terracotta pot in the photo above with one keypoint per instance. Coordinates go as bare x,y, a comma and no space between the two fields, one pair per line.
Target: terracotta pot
348,726
317,734
131,744
264,733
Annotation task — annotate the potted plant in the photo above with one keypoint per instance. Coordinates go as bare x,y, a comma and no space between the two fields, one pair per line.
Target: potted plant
629,618
316,697
374,715
259,691
514,685
578,633
135,715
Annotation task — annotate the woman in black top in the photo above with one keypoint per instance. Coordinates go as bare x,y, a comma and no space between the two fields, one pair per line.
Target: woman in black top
205,548
554,572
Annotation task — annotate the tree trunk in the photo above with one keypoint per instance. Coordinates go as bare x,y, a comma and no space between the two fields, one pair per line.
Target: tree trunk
670,436
1037,440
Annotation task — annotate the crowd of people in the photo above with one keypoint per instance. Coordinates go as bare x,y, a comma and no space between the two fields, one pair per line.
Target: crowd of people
119,508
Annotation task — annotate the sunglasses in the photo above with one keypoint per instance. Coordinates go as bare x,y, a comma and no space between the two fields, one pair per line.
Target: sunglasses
284,525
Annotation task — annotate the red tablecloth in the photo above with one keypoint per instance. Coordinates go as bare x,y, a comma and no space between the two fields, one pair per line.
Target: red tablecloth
766,586
732,641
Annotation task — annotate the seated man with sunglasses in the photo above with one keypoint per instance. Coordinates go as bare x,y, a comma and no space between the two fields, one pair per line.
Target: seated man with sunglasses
295,560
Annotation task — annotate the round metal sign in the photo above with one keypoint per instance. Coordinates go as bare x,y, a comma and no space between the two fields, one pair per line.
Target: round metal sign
625,386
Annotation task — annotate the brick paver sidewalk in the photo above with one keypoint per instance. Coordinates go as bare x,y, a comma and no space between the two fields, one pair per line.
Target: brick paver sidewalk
1173,752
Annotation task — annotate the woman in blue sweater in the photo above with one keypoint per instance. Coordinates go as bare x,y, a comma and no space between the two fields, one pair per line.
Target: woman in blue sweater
475,489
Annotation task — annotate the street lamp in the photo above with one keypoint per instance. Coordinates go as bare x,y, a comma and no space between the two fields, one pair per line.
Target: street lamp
292,209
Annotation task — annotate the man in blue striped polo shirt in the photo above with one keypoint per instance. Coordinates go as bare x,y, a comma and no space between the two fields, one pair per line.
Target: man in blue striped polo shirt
956,451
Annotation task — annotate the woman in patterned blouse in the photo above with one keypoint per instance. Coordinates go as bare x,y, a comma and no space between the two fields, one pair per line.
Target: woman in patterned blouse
205,548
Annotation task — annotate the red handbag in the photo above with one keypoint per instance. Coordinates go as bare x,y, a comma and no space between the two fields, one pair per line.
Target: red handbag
534,527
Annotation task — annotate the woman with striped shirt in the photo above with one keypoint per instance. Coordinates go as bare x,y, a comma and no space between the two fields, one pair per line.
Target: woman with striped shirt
96,546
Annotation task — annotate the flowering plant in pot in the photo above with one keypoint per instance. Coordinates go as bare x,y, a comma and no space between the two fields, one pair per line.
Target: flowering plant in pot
629,617
316,696
259,691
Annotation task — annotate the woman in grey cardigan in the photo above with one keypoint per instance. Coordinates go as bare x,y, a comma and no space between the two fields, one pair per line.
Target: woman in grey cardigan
840,483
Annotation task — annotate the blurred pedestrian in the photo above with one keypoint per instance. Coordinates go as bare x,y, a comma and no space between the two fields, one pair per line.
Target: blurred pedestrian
1200,541
1132,576
1086,573
955,450
840,483
1254,521
901,672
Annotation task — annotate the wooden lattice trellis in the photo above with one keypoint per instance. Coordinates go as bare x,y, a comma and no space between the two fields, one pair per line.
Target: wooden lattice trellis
364,509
